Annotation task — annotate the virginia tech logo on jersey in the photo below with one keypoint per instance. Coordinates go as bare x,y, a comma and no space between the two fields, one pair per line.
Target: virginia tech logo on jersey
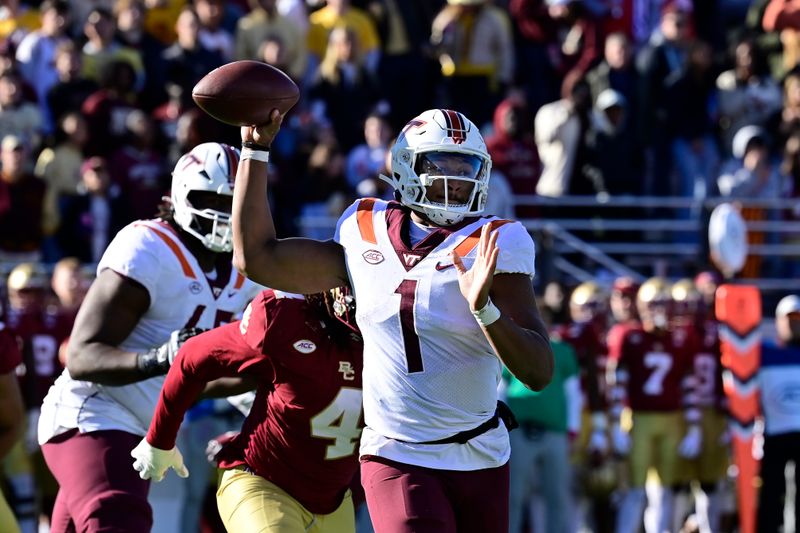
373,257
411,259
347,370
304,346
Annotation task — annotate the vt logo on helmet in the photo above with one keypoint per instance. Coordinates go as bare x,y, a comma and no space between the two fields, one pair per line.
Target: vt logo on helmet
440,167
202,193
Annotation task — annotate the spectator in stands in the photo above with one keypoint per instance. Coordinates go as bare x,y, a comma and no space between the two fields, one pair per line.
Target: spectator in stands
213,35
27,213
264,21
101,49
691,100
536,38
107,109
60,165
513,149
187,60
138,168
338,14
751,172
92,217
70,281
778,377
18,117
366,161
790,115
617,71
747,93
781,20
36,53
404,29
131,32
560,127
72,88
664,56
344,90
578,39
549,421
611,163
273,52
326,191
474,45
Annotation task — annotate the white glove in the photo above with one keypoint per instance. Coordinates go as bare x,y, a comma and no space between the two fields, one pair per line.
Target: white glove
598,442
689,448
621,440
153,463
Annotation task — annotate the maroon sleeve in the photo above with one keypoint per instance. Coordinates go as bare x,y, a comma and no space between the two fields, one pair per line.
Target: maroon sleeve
221,352
10,358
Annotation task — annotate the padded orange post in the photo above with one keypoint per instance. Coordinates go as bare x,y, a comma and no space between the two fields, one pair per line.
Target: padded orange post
738,309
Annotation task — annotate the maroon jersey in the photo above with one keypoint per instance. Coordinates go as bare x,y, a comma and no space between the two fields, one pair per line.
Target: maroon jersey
303,430
10,358
658,365
587,341
708,366
40,335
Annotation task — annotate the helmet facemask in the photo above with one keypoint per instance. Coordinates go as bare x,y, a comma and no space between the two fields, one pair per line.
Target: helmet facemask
211,226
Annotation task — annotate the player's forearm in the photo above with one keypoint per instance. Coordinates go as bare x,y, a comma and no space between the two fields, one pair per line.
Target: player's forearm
251,221
179,392
103,364
526,353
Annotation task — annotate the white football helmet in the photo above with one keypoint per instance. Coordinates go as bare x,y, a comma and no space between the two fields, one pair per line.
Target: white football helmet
209,167
414,164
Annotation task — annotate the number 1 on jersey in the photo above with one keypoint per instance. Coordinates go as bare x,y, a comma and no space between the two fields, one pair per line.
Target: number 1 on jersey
408,294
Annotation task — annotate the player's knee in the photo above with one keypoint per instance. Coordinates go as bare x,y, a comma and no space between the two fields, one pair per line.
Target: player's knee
116,510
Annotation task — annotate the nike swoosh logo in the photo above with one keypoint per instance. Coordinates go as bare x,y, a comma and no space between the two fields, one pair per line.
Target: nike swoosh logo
440,266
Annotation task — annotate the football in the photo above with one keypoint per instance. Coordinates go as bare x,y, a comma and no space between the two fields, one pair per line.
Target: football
243,93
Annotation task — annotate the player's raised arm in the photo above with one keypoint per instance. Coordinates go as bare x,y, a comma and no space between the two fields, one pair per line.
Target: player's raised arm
295,264
509,319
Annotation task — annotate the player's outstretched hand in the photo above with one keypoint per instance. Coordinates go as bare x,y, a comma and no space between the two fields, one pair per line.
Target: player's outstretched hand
153,463
263,134
476,282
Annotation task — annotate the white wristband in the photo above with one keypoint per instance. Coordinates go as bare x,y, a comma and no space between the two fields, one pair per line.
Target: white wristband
488,314
256,155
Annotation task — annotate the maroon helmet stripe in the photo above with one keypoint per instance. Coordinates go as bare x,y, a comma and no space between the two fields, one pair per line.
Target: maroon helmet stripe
233,161
448,122
456,126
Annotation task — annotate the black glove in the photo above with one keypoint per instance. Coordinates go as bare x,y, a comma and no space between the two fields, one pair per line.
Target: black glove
156,362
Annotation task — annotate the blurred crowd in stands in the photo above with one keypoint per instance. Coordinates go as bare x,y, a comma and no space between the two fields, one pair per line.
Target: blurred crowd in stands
574,97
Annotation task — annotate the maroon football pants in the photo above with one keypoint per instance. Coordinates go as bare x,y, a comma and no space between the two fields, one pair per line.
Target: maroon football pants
403,498
99,491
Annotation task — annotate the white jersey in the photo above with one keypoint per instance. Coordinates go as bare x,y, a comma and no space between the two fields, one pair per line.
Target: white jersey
150,253
429,371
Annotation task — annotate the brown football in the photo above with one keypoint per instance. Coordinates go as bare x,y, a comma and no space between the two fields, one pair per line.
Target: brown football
243,93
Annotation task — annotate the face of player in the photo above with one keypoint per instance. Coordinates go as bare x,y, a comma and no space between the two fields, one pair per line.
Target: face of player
205,200
655,314
436,170
622,306
26,300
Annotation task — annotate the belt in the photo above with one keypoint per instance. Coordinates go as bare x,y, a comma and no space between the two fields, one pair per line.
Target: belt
503,412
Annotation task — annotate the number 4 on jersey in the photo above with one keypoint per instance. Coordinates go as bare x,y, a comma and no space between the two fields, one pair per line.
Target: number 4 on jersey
340,421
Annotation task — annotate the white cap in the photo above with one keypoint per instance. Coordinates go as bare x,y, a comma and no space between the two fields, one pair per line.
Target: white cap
743,137
610,98
788,304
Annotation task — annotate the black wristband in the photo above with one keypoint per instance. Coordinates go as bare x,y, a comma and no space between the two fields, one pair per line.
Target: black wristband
149,364
255,146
